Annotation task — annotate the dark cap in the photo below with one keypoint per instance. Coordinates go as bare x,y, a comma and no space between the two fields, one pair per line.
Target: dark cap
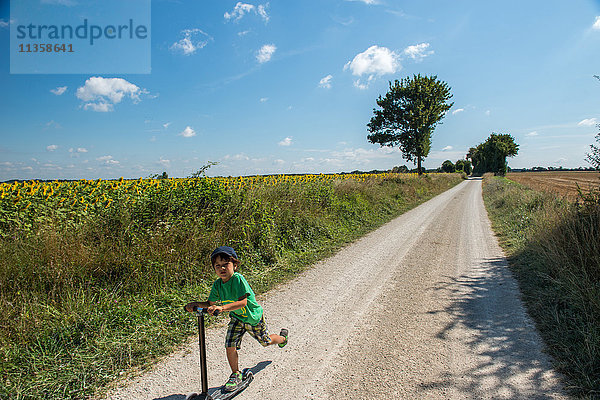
222,250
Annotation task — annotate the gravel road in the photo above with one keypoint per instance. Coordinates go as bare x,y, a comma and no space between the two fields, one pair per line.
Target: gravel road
422,308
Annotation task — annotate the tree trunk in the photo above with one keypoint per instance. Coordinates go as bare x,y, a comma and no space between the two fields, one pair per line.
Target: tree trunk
419,165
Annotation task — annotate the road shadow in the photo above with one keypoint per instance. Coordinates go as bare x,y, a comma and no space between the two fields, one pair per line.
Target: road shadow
255,370
485,304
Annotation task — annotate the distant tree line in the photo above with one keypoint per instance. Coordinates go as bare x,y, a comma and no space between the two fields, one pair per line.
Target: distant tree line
542,169
459,166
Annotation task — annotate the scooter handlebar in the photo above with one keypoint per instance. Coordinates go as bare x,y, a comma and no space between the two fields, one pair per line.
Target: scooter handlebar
204,310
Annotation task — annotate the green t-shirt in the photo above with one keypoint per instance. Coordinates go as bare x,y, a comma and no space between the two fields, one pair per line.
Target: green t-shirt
231,291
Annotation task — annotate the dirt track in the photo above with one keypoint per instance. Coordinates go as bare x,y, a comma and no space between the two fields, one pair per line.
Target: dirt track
422,308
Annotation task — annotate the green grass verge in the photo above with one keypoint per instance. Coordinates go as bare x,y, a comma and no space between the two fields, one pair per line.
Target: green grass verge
554,251
86,303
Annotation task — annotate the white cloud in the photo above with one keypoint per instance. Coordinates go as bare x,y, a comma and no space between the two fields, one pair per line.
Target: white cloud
68,3
188,132
78,150
193,40
102,93
588,122
373,62
109,160
286,142
264,99
59,90
166,125
279,161
239,11
418,52
326,82
242,9
99,107
458,110
447,148
370,2
488,112
530,134
596,25
361,86
53,124
262,11
52,147
265,53
164,162
244,33
237,157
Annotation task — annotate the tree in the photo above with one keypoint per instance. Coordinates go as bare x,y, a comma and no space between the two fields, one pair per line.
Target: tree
448,166
594,157
164,175
202,171
409,113
403,169
490,156
463,166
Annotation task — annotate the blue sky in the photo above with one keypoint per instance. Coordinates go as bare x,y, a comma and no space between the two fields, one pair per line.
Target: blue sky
288,87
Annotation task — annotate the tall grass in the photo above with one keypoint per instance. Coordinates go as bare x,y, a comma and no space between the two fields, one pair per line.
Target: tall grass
85,302
554,250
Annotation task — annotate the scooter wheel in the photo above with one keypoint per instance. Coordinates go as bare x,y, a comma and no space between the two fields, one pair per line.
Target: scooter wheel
247,374
191,396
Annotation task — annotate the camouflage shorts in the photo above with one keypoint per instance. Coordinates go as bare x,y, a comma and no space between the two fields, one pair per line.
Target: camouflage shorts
236,330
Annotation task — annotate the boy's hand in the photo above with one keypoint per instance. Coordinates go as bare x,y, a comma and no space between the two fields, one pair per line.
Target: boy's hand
212,309
189,307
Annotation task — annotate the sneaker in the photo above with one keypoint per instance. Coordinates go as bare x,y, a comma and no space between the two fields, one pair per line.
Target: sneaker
284,333
234,380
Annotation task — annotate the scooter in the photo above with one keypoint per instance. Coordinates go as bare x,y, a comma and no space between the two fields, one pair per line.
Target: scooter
220,393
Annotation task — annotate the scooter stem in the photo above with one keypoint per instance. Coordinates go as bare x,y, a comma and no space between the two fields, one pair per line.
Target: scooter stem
202,343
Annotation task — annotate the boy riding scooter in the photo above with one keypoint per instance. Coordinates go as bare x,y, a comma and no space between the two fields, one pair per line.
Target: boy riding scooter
236,296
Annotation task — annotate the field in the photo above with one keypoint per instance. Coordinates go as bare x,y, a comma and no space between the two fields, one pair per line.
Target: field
93,274
562,183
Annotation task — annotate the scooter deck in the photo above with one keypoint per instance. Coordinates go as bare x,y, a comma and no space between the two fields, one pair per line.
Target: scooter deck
221,394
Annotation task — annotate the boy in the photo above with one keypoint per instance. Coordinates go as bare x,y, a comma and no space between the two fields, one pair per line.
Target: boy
237,297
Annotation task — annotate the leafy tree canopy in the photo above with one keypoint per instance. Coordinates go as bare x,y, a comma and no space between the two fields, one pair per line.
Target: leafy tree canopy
490,156
408,114
448,166
464,166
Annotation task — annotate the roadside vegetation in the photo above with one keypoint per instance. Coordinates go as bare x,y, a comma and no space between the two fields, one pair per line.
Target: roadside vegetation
553,246
93,274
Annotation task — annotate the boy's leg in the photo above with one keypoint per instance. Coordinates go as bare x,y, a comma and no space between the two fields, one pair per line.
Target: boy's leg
276,339
232,358
233,340
261,333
